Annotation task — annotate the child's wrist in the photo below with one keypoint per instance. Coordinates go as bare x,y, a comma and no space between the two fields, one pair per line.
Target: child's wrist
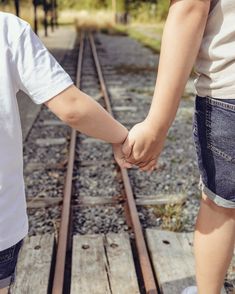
159,128
122,138
125,135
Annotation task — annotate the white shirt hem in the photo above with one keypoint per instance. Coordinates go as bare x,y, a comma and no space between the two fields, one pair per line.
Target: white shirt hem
219,94
49,94
9,242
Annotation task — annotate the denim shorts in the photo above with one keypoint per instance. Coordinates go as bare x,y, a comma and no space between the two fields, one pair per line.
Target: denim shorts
8,260
214,136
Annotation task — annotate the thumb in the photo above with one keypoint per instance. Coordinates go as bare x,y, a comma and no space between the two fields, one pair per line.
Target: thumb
127,147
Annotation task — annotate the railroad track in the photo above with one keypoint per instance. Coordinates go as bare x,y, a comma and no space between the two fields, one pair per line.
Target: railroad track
51,165
128,199
97,199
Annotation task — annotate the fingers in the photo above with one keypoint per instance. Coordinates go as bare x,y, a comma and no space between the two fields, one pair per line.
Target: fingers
125,164
144,163
140,157
122,162
140,160
137,159
127,147
150,166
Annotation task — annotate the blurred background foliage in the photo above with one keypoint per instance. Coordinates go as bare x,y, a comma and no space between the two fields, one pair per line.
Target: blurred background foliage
142,20
142,10
138,10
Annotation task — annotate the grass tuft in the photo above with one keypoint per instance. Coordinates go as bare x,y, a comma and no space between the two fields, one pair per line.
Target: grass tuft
171,215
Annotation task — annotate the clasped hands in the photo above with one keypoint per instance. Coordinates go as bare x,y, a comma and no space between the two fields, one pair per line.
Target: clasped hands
141,148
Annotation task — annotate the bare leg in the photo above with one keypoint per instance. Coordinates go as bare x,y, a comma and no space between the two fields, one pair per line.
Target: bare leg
4,291
213,245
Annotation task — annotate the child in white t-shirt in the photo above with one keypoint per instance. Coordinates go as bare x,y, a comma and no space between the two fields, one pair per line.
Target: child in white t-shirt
25,64
205,29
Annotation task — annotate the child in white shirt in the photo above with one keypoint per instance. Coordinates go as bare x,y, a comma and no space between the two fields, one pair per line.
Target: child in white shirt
25,64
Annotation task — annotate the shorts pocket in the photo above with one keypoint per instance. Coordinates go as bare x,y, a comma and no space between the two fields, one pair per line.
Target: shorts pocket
220,129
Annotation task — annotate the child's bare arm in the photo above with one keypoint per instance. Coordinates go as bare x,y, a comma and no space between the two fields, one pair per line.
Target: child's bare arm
85,115
180,45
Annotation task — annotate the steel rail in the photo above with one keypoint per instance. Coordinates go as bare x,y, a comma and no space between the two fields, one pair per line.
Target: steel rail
58,282
145,264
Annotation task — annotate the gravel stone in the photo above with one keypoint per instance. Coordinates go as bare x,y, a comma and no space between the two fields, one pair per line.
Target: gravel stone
98,220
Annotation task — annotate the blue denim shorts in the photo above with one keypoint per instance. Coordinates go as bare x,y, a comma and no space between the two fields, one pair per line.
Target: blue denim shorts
214,136
8,261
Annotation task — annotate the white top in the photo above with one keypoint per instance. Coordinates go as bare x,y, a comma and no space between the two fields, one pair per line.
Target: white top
27,65
216,60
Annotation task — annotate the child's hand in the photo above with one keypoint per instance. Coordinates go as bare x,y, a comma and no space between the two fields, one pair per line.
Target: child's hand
119,156
143,146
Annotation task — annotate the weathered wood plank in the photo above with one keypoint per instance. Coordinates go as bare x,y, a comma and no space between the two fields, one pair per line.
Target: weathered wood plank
34,265
37,166
173,260
43,202
141,200
89,275
170,261
160,199
107,261
88,163
121,269
89,200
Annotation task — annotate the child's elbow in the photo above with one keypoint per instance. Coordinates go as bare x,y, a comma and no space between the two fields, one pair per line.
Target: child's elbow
66,106
71,115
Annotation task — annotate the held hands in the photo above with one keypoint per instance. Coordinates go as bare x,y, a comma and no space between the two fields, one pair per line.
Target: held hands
120,157
142,147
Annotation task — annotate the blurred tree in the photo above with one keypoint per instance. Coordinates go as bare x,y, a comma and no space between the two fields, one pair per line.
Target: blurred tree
121,11
84,4
17,7
147,10
142,9
162,9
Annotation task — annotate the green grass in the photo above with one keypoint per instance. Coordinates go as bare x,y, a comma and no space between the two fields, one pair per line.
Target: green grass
171,215
147,41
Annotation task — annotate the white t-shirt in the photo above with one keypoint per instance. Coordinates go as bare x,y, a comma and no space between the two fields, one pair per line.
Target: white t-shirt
27,65
216,59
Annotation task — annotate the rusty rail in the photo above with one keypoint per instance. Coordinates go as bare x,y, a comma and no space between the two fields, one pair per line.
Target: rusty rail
58,281
145,264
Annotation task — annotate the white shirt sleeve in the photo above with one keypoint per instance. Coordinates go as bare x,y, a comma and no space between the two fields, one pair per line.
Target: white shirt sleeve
37,72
